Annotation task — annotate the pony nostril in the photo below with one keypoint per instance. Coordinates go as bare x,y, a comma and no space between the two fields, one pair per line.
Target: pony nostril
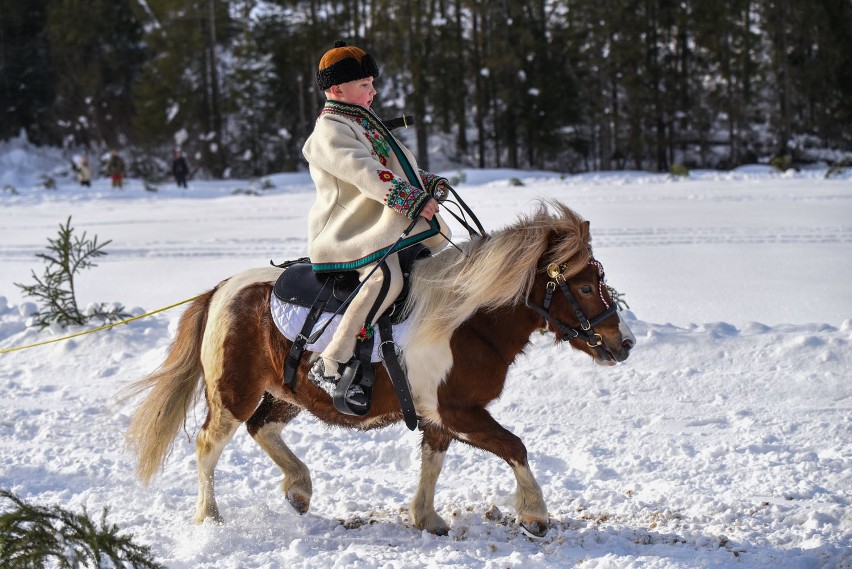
627,344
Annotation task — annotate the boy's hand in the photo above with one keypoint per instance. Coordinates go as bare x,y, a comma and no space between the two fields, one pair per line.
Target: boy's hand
429,210
441,192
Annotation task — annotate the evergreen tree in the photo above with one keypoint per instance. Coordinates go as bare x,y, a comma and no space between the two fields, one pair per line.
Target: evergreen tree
568,84
178,99
67,255
95,54
26,80
250,103
812,51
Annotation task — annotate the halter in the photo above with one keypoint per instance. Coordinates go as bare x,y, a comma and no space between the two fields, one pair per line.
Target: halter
586,330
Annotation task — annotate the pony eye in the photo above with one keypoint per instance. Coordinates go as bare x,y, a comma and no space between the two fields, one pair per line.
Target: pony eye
586,289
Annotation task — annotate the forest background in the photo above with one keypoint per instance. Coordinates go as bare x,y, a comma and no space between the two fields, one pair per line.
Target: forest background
568,85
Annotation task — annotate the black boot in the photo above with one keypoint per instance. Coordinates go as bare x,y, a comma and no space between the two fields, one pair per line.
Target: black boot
356,398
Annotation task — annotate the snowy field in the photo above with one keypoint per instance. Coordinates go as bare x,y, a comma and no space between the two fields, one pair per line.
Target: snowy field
725,440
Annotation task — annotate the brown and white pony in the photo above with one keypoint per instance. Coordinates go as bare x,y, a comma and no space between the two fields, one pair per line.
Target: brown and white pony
471,317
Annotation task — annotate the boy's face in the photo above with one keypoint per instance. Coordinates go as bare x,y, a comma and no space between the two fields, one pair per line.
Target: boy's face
358,92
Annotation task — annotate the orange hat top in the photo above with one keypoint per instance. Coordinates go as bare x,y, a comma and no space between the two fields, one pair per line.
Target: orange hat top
344,63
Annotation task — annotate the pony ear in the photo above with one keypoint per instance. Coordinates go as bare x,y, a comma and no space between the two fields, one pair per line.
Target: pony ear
587,234
553,241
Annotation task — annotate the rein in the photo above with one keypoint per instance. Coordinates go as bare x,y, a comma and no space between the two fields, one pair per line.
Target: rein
465,210
407,121
586,330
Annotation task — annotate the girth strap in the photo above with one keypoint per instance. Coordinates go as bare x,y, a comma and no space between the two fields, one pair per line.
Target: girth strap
367,379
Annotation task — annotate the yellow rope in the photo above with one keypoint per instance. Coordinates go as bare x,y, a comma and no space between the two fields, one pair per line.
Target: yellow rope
113,325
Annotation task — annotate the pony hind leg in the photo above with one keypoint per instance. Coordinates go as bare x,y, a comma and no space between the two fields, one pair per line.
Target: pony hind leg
218,429
265,427
433,448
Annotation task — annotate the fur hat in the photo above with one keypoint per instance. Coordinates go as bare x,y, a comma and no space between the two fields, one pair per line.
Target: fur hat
342,64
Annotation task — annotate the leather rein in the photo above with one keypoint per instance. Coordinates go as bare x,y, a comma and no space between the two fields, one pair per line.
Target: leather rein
586,330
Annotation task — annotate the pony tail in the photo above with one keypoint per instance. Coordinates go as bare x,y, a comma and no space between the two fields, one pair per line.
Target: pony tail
174,389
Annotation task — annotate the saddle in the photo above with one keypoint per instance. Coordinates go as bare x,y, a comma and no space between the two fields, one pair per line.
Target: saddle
299,284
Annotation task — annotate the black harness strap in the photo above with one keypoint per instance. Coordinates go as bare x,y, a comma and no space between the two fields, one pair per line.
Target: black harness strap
396,373
291,364
586,330
368,376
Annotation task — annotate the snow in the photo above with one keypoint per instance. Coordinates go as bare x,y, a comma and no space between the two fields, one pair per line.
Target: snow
725,439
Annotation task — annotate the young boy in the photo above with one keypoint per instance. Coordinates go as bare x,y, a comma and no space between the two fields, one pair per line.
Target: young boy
369,189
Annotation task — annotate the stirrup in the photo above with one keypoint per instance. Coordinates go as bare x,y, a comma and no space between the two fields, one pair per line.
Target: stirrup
346,400
357,398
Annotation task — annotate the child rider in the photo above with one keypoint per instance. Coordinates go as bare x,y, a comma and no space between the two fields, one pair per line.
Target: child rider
369,190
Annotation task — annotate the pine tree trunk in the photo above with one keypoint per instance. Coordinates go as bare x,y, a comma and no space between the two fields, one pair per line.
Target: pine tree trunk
218,161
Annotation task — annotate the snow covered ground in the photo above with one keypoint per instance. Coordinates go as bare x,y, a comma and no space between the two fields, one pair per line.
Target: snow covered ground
724,441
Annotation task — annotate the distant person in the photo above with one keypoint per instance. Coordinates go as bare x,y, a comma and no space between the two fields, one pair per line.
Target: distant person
83,172
180,169
115,169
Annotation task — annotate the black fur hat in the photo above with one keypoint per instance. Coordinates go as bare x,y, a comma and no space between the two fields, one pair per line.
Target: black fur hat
344,63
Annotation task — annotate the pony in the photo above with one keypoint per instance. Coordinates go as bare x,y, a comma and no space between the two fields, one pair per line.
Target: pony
472,310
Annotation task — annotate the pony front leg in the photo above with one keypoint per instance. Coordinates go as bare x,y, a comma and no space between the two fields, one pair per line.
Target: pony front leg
433,448
476,427
209,443
529,501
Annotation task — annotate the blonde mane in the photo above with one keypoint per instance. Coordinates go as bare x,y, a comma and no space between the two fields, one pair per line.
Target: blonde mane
499,270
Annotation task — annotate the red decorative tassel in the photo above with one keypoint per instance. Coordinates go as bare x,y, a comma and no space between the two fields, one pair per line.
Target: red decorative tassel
366,332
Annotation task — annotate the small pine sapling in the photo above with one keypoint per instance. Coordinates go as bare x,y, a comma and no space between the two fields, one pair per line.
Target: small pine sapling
34,536
67,255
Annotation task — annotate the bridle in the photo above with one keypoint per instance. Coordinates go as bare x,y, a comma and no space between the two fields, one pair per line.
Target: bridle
586,330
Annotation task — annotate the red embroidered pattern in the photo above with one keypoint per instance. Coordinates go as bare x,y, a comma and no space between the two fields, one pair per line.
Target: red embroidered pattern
404,198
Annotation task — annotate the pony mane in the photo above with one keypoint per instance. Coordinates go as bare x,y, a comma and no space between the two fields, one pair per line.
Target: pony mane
497,270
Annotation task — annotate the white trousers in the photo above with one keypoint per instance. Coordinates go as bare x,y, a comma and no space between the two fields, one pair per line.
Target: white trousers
369,303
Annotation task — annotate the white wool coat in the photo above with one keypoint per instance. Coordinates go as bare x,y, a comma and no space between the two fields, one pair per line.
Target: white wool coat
369,189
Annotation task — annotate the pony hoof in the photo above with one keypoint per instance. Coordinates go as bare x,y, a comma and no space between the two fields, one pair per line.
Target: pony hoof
299,501
534,528
433,524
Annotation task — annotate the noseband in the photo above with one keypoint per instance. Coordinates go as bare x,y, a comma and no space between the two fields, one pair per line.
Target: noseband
586,330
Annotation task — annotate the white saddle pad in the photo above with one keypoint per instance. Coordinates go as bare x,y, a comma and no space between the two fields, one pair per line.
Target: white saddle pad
289,318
